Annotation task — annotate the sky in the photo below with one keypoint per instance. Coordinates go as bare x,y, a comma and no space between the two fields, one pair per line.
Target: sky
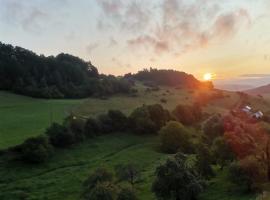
229,38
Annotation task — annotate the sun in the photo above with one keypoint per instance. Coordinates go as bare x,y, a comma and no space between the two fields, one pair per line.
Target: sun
208,76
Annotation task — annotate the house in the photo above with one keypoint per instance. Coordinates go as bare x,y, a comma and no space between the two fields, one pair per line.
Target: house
247,109
258,115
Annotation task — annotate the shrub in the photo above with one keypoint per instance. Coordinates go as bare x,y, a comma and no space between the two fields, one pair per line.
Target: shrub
119,120
92,127
204,161
127,172
213,127
36,150
148,119
59,135
76,126
176,181
100,175
188,114
102,191
127,193
222,152
175,137
239,177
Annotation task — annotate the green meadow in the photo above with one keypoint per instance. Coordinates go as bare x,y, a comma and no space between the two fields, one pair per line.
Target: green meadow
62,176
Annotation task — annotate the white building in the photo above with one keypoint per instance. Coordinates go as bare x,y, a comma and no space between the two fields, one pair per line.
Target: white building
258,115
247,109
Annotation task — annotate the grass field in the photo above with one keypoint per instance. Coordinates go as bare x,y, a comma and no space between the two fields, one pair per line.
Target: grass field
62,177
23,117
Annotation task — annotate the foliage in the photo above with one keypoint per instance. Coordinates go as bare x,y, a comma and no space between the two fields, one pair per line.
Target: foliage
128,172
35,150
222,152
176,181
127,193
239,177
98,176
92,127
148,119
170,78
204,161
59,135
175,137
213,128
102,191
62,76
188,114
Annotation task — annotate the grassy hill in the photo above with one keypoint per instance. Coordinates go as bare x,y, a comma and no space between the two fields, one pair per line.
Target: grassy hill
63,175
263,90
23,117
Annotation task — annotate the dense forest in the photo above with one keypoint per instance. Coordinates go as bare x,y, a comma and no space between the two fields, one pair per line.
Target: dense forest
61,76
169,78
66,76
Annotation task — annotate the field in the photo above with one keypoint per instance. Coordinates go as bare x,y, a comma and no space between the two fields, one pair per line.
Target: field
62,177
23,117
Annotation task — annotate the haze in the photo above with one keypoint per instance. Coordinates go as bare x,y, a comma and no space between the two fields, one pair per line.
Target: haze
228,38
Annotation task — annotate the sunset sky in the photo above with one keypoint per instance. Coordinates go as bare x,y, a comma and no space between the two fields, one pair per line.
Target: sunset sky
230,38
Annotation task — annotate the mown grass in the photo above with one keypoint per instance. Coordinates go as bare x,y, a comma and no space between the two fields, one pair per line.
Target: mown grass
22,117
62,176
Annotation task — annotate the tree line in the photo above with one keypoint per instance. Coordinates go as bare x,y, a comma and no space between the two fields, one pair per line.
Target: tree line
62,76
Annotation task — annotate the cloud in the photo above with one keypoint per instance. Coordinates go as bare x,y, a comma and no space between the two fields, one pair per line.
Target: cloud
112,42
175,26
91,47
255,75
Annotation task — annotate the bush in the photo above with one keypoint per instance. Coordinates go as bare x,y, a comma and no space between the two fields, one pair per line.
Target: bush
213,127
239,177
176,181
175,137
76,126
100,175
127,193
59,135
127,172
102,191
148,119
188,115
113,121
92,127
204,161
36,150
222,152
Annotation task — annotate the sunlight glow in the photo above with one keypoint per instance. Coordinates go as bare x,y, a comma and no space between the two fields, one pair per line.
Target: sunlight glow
208,76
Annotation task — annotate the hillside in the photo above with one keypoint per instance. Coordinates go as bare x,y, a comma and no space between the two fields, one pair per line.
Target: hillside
63,175
263,90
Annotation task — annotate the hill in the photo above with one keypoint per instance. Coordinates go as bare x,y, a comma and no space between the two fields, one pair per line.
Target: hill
62,176
263,90
62,76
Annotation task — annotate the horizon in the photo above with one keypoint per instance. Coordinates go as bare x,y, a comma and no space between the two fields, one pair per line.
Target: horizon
200,36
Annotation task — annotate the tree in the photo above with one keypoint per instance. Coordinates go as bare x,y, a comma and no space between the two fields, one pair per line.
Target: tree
213,127
36,150
127,193
204,161
222,152
102,191
148,119
240,177
174,180
175,137
59,135
188,114
99,175
128,172
119,120
92,127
